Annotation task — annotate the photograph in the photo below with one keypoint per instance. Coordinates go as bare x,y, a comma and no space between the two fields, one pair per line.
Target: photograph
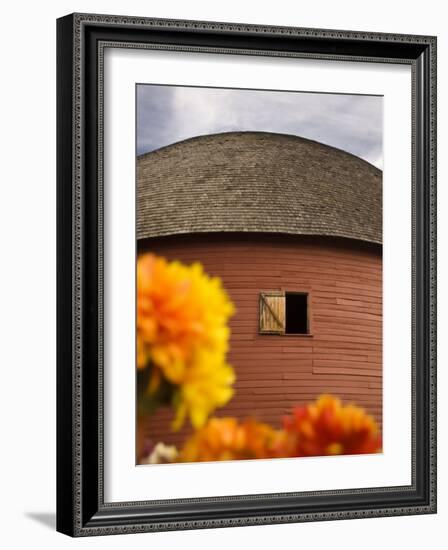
259,274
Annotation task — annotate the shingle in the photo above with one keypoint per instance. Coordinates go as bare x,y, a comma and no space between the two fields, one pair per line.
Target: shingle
257,182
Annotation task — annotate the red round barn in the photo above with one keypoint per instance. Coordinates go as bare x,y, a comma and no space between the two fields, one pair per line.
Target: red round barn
294,230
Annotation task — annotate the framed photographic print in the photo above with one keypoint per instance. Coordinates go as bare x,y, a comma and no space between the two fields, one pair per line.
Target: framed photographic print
246,274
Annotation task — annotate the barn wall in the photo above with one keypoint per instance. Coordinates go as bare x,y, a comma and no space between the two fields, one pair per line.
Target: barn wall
342,356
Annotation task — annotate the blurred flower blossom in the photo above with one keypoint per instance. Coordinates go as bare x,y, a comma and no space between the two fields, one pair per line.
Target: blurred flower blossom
324,427
182,336
161,454
327,427
228,439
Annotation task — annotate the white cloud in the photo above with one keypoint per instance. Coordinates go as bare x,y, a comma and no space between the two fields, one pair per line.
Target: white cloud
349,122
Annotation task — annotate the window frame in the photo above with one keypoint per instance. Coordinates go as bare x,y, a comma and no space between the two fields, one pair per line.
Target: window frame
284,291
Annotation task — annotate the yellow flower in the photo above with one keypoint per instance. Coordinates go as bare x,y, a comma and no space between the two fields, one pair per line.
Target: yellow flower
207,384
227,439
182,335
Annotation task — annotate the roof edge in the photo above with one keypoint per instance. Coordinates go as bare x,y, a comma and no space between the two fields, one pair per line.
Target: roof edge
204,137
341,235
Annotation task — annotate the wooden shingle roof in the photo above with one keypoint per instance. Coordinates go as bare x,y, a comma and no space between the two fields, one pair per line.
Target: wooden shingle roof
257,182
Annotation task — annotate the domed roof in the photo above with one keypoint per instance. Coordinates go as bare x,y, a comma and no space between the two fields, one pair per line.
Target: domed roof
257,182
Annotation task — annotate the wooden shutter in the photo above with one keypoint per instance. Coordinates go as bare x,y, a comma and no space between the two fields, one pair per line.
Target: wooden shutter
272,312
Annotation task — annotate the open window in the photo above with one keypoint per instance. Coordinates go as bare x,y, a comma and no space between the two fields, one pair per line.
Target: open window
296,313
283,312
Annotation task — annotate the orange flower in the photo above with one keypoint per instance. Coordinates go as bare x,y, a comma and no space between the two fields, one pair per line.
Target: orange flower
227,439
182,335
327,427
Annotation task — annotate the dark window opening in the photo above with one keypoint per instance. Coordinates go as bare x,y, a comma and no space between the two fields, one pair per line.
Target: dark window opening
296,313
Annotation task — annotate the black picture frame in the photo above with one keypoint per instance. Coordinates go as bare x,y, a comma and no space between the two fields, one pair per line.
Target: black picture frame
81,510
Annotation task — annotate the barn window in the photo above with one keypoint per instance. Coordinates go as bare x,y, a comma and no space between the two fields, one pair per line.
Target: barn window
284,312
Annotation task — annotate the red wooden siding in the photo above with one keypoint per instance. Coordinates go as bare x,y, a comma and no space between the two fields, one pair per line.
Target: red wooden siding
343,353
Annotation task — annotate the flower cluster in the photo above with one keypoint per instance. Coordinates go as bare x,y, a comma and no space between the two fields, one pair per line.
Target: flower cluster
182,336
227,439
327,427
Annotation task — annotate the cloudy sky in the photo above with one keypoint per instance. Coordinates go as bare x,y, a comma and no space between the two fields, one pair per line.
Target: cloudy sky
166,114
